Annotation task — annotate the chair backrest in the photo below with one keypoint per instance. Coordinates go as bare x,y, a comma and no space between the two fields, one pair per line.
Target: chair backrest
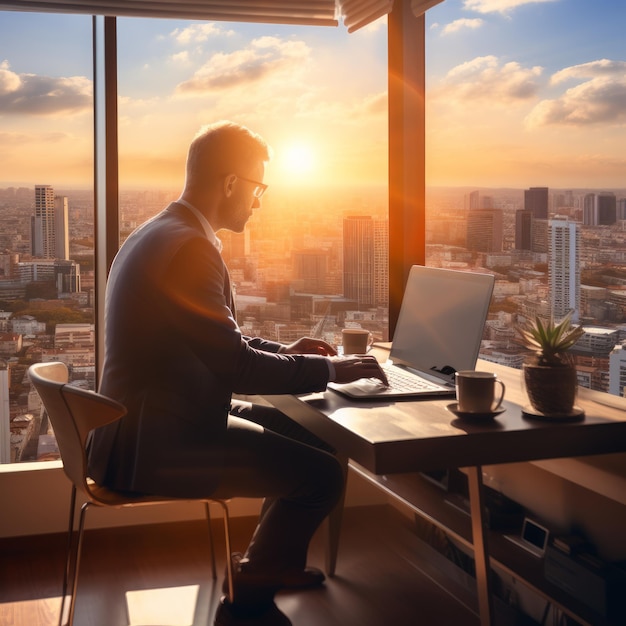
73,413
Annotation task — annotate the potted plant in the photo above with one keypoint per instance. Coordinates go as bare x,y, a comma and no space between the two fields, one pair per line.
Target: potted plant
550,376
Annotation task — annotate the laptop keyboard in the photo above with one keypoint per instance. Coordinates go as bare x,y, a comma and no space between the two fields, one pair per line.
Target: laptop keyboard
404,381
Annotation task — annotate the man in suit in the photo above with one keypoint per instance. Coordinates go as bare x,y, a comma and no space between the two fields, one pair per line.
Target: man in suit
174,355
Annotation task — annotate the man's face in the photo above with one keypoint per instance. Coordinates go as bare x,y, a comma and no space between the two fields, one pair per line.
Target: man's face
238,206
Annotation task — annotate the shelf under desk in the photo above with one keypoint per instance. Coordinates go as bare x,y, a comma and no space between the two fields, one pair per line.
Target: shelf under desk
436,506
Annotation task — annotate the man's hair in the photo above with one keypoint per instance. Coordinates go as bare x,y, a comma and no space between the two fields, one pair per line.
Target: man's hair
223,148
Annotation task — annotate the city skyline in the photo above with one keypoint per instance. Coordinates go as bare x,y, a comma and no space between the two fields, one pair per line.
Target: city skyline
296,274
517,90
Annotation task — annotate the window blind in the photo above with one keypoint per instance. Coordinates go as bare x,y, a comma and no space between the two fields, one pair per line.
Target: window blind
355,13
311,12
359,13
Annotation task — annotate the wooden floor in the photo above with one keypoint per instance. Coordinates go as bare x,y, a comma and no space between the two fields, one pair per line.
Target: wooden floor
160,576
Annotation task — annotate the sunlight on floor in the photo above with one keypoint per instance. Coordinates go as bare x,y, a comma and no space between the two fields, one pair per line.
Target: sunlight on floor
19,613
169,606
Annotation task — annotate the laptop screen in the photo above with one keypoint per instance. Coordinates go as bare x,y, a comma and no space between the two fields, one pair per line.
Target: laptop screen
441,319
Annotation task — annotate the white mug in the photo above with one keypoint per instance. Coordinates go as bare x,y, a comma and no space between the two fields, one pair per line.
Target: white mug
356,340
476,391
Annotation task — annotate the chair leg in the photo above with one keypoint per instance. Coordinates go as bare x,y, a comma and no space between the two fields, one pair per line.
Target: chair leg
68,553
229,561
208,519
77,558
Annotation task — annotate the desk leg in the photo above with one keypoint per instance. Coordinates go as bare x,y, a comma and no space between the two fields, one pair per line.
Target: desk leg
333,523
481,552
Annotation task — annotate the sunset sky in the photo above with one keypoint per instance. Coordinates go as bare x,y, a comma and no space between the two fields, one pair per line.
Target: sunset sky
520,93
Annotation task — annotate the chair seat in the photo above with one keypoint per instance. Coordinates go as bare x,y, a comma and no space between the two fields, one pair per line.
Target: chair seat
110,497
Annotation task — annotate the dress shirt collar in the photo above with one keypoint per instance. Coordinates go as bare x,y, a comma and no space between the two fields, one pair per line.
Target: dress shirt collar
208,229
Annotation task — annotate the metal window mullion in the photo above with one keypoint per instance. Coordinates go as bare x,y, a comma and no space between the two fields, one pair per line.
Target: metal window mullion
106,170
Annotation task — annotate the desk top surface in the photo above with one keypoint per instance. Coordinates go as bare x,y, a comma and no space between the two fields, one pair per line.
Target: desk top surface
402,436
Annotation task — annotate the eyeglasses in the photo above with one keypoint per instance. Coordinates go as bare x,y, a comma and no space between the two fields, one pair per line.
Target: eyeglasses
259,188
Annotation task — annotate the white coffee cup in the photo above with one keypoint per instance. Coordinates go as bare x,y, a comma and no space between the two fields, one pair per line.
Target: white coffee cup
356,340
476,391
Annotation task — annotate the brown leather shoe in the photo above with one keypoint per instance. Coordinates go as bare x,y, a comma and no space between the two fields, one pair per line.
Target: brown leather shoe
308,578
228,614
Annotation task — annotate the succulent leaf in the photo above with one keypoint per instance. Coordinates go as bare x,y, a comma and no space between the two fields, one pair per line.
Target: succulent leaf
551,340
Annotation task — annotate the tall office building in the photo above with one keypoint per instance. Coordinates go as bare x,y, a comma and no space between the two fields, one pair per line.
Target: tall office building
621,209
5,414
607,208
523,229
600,209
485,230
564,268
540,236
365,260
590,217
50,235
474,200
67,276
487,202
311,270
381,262
536,200
617,370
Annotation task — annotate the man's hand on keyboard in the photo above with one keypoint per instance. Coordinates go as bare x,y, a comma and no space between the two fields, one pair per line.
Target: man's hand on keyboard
353,367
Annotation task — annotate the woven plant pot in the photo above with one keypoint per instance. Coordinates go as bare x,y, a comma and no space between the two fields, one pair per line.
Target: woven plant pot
551,389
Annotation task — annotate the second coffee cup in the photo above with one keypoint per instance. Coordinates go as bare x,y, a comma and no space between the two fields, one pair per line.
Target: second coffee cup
355,340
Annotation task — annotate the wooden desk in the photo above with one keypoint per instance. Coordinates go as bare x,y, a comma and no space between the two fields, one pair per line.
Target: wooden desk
412,436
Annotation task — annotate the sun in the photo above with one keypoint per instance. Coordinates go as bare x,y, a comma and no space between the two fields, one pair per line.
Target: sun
298,159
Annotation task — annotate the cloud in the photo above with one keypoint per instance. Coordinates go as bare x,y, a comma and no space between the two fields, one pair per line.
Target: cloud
197,33
263,59
485,80
598,99
498,6
593,69
181,57
457,25
31,94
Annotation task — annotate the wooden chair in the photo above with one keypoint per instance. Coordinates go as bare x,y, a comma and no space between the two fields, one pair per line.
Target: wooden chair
74,413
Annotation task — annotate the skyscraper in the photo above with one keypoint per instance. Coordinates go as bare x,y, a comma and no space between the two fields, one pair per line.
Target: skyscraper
564,268
50,238
61,228
617,370
485,230
536,200
600,209
5,414
474,200
607,208
590,215
523,229
540,236
365,260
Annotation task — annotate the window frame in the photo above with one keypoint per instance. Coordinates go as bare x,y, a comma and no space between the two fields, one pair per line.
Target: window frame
406,177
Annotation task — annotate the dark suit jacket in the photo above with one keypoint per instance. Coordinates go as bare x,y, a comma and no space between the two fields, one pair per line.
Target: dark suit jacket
173,356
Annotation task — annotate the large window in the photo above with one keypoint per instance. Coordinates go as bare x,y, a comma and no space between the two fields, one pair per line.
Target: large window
525,131
302,88
46,217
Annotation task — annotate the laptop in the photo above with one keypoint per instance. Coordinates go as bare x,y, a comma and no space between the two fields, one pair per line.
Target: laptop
439,330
